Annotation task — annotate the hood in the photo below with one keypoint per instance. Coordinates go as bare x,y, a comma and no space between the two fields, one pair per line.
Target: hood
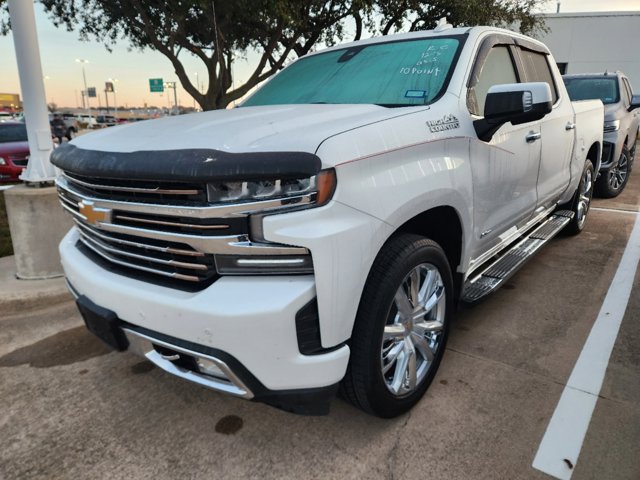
14,147
244,143
291,128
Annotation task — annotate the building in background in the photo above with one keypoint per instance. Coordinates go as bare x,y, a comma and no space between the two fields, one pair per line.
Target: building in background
595,42
10,102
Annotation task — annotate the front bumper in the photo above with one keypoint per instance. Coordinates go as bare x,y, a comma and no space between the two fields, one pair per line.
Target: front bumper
249,319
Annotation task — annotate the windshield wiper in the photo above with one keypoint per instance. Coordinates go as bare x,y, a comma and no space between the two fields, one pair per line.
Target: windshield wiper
397,105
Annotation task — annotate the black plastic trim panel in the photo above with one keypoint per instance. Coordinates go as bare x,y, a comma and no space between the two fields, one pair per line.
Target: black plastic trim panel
308,331
607,154
186,165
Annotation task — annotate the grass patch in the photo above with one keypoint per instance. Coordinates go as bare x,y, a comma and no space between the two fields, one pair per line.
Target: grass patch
6,248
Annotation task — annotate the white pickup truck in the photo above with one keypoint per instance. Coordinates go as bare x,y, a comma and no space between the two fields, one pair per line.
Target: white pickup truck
321,235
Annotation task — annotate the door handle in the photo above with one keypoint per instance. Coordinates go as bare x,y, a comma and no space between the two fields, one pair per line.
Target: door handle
570,126
533,136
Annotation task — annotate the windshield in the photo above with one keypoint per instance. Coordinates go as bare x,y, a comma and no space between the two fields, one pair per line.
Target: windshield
12,133
399,73
593,88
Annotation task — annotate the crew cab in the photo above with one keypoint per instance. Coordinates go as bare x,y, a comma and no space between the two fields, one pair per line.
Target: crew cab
321,235
620,125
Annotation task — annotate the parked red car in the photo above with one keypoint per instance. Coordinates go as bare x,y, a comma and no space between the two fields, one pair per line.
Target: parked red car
14,150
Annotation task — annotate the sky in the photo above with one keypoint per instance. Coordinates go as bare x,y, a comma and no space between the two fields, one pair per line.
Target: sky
59,50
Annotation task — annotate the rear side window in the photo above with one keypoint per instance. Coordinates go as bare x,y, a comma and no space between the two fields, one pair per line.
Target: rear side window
536,67
497,69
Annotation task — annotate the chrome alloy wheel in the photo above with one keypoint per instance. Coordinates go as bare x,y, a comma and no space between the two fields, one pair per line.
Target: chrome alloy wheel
584,198
414,330
618,174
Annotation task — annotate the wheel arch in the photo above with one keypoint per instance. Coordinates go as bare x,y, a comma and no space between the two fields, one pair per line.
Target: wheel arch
442,225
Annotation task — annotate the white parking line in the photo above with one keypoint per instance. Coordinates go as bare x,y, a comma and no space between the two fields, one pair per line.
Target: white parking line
614,210
560,447
5,187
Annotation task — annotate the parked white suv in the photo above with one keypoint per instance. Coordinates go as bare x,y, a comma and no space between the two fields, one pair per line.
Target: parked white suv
323,233
87,121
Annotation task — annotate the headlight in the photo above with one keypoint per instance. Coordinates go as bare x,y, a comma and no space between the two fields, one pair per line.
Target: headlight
320,188
269,197
611,126
2,161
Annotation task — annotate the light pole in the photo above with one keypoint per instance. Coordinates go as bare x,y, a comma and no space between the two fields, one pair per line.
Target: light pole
86,90
175,95
115,89
25,41
197,88
45,78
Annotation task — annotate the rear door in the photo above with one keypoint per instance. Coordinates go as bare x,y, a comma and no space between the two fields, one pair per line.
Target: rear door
557,129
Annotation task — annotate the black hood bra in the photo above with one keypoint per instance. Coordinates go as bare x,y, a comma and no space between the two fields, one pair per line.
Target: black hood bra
187,165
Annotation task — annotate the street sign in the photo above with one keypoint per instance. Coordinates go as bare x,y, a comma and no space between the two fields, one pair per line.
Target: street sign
108,87
156,85
91,92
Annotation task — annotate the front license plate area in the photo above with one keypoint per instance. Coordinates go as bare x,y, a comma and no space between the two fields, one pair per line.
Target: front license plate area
103,323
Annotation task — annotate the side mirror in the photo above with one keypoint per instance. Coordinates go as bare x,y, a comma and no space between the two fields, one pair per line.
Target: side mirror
635,102
517,103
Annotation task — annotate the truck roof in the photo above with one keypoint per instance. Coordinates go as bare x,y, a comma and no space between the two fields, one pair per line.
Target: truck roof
440,31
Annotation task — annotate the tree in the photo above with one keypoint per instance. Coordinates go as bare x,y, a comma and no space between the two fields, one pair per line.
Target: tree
220,31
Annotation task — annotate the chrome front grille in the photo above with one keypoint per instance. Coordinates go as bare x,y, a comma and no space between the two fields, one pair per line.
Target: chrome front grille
172,262
144,191
173,243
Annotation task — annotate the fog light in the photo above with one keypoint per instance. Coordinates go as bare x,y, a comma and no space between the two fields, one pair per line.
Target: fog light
208,367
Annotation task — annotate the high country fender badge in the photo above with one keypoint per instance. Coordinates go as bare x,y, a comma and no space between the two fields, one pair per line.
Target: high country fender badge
448,122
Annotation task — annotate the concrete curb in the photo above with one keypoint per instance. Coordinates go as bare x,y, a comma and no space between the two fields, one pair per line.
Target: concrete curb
18,296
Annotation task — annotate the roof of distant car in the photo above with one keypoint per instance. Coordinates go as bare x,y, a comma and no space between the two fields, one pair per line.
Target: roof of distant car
617,73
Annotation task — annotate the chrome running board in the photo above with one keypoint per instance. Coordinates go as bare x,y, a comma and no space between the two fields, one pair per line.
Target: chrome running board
497,273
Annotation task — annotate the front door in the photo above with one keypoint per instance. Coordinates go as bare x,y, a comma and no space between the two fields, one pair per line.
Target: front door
505,170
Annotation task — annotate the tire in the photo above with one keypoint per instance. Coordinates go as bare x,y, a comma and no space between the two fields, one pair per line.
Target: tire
378,378
581,201
612,182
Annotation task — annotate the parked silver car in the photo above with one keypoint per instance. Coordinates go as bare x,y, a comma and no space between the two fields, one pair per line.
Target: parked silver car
620,124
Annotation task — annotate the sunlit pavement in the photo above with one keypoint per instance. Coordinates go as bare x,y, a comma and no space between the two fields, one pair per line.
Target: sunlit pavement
69,408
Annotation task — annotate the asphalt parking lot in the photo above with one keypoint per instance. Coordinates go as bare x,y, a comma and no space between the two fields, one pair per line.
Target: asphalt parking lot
69,408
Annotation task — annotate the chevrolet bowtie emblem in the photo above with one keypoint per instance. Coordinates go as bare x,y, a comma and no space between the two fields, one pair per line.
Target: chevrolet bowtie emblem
93,214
